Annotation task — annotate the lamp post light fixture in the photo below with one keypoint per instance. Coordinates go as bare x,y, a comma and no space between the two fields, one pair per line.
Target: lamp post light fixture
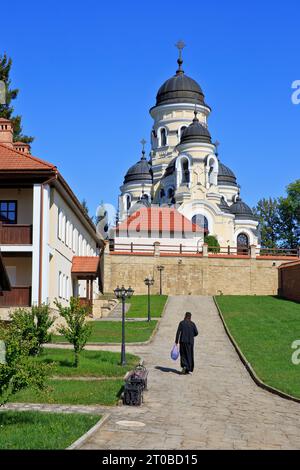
160,269
122,294
149,281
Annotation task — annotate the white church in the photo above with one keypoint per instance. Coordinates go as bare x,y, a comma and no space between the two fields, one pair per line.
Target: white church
183,192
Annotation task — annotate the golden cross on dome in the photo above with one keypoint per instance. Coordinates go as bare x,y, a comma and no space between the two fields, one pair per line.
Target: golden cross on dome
143,142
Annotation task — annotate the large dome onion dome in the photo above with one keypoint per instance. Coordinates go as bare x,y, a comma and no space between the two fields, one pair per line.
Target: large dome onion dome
241,210
180,89
226,176
141,171
195,132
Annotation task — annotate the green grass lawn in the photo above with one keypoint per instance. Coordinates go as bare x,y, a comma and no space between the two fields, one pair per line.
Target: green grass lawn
74,392
91,363
264,328
111,332
39,430
139,306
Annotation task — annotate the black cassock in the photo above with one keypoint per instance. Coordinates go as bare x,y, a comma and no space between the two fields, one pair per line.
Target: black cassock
186,332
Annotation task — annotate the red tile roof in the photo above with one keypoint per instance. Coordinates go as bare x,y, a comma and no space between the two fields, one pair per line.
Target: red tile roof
162,219
12,159
85,264
289,265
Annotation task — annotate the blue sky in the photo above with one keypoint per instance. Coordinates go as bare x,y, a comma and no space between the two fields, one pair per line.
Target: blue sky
88,72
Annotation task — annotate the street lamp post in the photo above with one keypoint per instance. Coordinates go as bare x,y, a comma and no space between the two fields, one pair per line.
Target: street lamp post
123,294
160,269
149,281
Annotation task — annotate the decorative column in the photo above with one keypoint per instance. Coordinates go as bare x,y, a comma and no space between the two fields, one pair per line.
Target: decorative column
45,246
36,244
253,251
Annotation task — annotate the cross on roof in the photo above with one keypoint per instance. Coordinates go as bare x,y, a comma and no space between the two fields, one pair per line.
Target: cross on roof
143,142
180,45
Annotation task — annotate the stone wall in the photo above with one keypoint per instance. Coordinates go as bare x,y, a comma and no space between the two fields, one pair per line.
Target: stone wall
289,281
193,275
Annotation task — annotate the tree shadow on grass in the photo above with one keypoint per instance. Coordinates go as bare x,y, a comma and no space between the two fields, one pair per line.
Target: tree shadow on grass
168,369
10,418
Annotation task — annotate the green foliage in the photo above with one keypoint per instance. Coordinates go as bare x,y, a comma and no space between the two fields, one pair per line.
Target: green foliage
111,332
265,328
6,110
34,430
20,370
280,219
289,211
139,306
92,363
77,331
85,206
213,244
32,326
267,212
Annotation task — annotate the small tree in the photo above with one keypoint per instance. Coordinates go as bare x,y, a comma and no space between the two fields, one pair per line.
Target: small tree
213,244
77,331
32,326
20,369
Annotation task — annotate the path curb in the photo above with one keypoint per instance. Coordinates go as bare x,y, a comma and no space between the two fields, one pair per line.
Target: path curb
248,366
89,433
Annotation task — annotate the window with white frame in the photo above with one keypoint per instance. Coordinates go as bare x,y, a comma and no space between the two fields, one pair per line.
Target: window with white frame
63,229
71,235
80,245
60,285
84,248
75,238
60,215
64,287
67,288
67,232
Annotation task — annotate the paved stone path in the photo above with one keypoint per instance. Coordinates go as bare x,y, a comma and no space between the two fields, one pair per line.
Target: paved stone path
218,407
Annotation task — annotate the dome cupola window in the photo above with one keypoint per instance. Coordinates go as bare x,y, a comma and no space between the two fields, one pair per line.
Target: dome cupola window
163,137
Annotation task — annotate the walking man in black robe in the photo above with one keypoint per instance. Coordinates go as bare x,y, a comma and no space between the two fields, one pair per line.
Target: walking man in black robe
186,332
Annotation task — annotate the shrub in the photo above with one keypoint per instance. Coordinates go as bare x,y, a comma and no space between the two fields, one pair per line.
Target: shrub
20,369
213,244
77,331
32,326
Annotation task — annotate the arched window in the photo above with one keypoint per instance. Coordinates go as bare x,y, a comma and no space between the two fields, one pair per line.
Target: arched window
185,172
242,244
201,221
163,137
128,202
212,171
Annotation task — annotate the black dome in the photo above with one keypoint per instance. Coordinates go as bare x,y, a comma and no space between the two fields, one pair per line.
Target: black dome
226,176
180,89
141,171
241,210
195,132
